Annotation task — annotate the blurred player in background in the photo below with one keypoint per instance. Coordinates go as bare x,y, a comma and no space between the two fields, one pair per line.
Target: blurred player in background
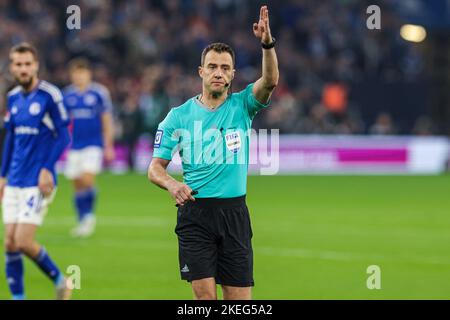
214,230
37,134
90,109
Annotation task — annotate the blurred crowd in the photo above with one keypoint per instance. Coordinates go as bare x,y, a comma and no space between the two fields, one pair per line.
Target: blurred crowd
147,52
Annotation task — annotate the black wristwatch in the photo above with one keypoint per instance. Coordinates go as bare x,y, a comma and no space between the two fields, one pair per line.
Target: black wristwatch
270,45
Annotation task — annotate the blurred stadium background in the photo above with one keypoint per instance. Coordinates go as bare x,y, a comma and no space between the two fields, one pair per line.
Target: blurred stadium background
350,101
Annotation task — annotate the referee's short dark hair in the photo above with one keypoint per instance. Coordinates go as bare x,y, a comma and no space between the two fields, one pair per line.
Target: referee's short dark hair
218,47
24,47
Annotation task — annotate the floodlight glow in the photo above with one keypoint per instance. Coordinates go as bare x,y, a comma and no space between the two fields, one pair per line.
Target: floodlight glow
413,33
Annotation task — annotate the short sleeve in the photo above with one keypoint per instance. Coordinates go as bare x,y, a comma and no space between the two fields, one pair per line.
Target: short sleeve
57,110
105,100
252,105
166,139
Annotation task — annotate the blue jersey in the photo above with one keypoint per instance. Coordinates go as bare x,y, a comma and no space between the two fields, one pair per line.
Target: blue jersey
86,109
33,119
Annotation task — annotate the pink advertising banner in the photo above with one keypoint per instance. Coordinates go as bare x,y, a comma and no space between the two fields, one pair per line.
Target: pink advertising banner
303,154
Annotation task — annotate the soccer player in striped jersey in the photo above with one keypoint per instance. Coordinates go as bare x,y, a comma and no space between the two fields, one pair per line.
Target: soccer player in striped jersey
37,134
90,108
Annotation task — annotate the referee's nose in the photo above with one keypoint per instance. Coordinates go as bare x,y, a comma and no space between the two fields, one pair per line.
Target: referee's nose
218,74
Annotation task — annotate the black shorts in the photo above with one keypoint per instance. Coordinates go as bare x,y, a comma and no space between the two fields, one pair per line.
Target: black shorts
214,239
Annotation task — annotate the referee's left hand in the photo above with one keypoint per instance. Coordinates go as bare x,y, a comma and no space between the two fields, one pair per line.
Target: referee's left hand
180,192
45,183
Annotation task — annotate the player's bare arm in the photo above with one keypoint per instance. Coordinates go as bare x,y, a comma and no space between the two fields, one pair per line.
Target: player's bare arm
8,145
265,85
108,136
2,187
45,183
157,174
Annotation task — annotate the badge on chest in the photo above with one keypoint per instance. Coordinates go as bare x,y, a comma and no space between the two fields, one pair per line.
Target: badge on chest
35,108
233,141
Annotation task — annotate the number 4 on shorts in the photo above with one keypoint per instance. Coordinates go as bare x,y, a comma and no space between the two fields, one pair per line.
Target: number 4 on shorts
30,202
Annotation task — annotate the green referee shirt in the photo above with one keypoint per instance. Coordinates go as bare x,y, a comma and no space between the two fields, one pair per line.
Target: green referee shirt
213,144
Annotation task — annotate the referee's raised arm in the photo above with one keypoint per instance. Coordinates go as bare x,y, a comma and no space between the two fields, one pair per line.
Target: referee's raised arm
265,85
208,130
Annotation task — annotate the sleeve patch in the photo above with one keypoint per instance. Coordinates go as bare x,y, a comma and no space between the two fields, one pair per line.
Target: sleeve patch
158,138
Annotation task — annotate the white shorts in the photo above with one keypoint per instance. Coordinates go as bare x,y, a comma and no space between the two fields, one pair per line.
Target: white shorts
86,160
25,205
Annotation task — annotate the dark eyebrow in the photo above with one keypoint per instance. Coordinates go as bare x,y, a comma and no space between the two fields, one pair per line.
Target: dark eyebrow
222,65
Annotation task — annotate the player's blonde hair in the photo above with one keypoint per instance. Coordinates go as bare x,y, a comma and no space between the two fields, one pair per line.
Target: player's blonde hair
24,47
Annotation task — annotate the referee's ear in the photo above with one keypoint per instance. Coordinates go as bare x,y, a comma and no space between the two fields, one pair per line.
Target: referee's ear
200,71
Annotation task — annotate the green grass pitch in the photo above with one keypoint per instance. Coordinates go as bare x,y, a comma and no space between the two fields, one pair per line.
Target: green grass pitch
314,237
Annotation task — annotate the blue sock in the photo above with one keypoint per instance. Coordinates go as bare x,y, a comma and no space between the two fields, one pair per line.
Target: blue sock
90,199
84,202
14,274
47,266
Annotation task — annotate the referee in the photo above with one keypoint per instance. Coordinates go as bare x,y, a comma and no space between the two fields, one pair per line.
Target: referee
210,132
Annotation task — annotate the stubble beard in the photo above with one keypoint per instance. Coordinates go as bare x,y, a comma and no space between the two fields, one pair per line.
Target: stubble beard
26,84
216,94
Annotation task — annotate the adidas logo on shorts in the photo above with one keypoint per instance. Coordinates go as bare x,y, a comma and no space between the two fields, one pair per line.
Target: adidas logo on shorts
185,268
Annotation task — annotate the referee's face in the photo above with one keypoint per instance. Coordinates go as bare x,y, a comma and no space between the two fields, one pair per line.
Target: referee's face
24,67
217,72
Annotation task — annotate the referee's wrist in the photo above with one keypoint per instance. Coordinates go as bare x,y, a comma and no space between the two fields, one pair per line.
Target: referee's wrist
269,45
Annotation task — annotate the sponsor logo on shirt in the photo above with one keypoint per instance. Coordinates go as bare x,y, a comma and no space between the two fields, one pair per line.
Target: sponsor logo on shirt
26,130
82,114
14,110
